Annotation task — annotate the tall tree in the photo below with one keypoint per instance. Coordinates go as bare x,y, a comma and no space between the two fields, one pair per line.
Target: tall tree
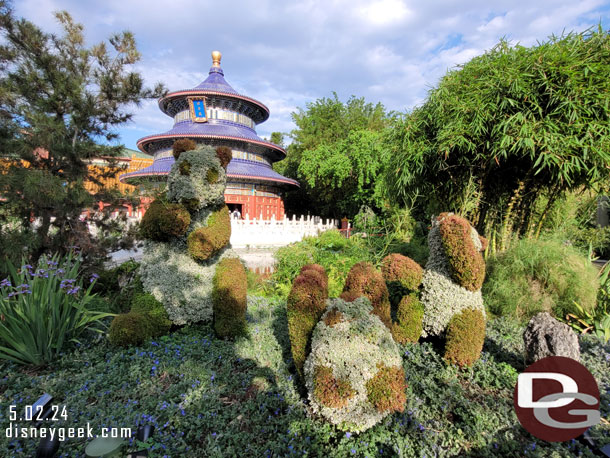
59,102
337,155
513,126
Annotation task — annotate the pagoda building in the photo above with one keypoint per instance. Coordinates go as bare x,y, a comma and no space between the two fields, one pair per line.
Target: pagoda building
214,114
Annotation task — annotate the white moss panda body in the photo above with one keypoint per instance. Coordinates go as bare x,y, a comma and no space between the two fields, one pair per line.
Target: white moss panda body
353,348
441,296
168,272
180,283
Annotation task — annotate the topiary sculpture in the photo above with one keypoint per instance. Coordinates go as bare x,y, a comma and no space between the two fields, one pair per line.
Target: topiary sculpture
304,306
182,273
147,318
464,339
364,280
164,220
451,283
229,297
354,375
407,326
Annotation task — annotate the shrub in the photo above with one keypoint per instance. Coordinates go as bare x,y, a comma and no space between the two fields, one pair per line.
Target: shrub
397,268
129,329
225,155
330,249
182,145
440,295
229,297
409,316
44,309
195,186
540,276
386,391
465,336
304,306
147,305
164,220
465,259
205,242
348,362
363,279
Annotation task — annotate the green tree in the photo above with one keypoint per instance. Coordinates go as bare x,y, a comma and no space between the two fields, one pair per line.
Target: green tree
59,101
507,129
337,155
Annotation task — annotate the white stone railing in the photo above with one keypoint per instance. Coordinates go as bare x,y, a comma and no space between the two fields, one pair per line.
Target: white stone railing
257,233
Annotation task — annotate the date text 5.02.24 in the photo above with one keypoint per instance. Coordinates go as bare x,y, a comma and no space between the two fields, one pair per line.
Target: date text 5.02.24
38,413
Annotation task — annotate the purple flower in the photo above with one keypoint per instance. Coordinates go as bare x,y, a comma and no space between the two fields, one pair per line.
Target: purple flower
93,278
6,282
348,434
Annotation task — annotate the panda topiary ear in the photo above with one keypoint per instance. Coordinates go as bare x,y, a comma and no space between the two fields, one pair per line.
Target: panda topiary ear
182,145
225,155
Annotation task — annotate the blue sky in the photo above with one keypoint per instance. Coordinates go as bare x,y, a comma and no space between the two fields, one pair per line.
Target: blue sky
288,53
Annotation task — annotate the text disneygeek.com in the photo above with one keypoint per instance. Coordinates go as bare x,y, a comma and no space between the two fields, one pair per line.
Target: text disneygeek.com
63,433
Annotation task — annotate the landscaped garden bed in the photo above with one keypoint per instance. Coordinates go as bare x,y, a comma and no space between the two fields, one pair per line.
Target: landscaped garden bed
209,397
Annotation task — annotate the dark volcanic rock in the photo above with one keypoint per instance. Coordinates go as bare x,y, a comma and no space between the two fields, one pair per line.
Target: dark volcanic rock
545,336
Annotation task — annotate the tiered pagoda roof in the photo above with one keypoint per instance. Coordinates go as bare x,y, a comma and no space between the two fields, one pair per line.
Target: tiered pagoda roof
234,128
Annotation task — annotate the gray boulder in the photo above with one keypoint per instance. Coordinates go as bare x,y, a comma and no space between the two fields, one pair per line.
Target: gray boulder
545,336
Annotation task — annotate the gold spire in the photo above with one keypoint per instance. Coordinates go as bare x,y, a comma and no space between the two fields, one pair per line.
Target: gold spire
216,56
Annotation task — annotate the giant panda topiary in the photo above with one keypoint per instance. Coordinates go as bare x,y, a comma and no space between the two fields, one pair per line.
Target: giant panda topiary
180,265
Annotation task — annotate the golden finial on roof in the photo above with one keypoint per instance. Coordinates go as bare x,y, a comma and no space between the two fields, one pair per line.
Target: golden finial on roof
216,56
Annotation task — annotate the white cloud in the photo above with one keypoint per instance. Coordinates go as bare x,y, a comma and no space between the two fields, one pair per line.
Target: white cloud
287,54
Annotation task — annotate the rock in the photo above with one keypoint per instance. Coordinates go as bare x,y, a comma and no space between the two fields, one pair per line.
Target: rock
545,336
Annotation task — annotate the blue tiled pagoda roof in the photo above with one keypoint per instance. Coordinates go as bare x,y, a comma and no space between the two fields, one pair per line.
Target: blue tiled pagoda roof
215,85
213,129
216,82
237,168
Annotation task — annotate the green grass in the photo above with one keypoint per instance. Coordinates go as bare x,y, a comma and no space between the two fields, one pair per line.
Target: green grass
216,398
539,275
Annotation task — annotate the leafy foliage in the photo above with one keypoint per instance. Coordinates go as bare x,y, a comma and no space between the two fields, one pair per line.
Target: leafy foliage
59,98
45,309
331,250
337,155
403,270
353,374
507,128
181,145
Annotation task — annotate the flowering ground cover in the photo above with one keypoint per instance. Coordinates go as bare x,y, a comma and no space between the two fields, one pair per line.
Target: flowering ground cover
208,397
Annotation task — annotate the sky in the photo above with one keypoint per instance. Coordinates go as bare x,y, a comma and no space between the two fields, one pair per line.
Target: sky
287,53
